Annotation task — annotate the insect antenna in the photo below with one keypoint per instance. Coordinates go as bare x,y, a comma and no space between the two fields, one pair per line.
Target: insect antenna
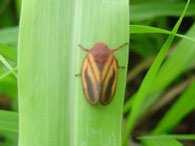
119,47
83,48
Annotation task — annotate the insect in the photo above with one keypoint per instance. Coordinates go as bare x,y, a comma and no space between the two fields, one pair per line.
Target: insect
99,73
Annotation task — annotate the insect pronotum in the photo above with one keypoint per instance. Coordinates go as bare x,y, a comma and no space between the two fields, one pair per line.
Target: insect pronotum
99,73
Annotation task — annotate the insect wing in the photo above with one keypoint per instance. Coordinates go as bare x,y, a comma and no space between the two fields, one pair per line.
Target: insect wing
91,80
108,83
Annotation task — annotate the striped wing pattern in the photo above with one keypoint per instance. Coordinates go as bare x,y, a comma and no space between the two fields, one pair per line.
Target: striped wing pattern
99,80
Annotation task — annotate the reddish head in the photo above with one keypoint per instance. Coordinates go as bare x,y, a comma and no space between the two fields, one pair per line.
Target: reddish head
101,52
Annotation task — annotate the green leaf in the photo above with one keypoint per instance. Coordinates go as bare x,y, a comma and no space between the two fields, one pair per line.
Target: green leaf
53,108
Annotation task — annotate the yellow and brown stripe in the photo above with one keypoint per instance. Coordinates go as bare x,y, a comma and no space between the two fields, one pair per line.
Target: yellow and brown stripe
99,79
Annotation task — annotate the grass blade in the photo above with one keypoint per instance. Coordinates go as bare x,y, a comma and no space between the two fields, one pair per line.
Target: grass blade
148,10
169,121
7,74
162,142
143,29
7,65
169,71
149,79
178,137
8,52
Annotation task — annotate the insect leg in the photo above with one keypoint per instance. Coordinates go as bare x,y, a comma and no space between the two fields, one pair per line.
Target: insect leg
77,75
83,48
119,47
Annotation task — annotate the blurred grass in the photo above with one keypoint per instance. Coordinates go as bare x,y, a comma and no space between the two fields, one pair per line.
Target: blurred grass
162,142
149,10
182,107
169,136
9,36
142,29
147,83
9,121
176,64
